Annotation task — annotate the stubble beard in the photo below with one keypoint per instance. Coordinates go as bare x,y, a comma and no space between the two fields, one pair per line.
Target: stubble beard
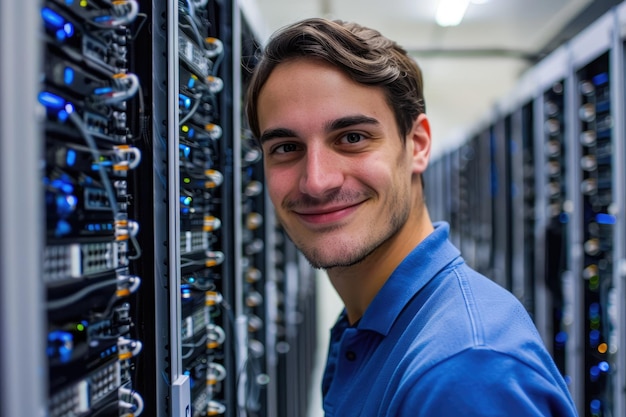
349,252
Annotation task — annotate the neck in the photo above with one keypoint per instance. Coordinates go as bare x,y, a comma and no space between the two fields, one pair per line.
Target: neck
357,285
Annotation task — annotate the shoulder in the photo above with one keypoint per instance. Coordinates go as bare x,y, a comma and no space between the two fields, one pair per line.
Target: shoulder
482,382
471,348
465,314
464,309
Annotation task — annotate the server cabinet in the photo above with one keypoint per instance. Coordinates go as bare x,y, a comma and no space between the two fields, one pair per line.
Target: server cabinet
522,204
23,363
594,221
90,241
559,228
556,211
135,218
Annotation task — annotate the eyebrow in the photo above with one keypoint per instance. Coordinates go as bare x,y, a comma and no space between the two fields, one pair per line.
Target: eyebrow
336,124
348,121
280,132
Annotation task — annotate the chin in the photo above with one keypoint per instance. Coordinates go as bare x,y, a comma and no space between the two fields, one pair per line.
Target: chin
320,260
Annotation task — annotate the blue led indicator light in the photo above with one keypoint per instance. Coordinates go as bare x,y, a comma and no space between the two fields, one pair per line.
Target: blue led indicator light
66,204
51,100
595,406
602,218
64,186
70,158
63,115
604,366
191,82
102,90
100,19
68,28
601,79
63,228
186,150
68,75
52,18
184,101
60,35
561,338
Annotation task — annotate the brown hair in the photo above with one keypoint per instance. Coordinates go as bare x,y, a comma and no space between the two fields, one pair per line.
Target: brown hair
363,53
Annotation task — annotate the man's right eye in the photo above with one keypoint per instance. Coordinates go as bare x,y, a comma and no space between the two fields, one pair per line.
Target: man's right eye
285,148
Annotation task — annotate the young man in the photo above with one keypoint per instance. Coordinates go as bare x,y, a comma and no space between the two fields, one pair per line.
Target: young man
339,112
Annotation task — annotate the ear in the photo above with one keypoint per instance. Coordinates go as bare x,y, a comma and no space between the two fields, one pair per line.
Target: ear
421,142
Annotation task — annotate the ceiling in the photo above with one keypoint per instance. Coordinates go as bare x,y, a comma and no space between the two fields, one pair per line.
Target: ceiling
467,68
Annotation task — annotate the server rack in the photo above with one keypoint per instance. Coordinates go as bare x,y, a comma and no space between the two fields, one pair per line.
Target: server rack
151,268
21,222
562,162
522,205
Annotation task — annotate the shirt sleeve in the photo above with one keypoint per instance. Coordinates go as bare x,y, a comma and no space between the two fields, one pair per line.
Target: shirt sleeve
482,382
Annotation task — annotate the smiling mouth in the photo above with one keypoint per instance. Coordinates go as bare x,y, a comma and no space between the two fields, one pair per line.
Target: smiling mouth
327,215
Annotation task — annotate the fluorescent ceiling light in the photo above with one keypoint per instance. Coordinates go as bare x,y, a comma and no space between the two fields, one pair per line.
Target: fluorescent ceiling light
451,12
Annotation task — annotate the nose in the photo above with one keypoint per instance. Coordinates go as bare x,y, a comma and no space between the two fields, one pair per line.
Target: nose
323,172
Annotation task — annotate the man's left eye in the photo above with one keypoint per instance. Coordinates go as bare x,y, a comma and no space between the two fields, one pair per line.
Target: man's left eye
353,137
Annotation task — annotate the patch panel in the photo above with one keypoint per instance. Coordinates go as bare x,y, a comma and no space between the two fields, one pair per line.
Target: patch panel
80,260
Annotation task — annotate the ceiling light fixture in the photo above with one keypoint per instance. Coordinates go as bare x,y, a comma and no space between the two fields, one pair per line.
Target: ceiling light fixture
451,12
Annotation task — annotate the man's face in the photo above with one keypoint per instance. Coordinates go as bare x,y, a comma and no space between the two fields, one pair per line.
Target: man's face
337,171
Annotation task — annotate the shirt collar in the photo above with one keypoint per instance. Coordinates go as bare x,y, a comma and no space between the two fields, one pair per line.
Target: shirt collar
429,257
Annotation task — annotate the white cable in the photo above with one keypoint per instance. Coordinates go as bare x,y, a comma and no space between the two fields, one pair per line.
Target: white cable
135,284
130,15
123,95
136,397
131,162
123,16
135,345
217,47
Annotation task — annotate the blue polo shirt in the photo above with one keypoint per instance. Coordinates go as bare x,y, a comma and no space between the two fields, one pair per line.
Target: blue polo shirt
439,339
